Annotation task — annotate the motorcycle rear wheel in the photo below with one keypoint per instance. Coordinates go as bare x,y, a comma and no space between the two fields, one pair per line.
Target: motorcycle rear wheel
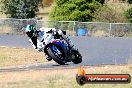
77,57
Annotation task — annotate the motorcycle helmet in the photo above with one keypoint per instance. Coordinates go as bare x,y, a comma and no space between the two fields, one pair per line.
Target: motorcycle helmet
30,28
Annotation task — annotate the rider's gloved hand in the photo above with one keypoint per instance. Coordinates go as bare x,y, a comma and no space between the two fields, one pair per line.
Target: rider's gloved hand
35,34
62,32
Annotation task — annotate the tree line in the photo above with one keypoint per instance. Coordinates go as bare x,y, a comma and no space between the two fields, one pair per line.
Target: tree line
73,10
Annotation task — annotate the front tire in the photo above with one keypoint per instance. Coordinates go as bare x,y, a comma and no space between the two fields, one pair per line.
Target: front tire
59,59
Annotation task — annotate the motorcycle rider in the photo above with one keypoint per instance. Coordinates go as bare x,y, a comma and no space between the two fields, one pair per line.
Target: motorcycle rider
31,32
41,37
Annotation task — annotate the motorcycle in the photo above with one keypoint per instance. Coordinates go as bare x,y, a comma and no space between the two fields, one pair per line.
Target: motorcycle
60,50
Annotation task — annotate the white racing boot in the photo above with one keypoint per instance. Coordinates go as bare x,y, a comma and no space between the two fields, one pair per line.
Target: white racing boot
40,46
30,41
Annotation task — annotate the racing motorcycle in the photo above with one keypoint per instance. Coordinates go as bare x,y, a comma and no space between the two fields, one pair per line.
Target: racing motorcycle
60,50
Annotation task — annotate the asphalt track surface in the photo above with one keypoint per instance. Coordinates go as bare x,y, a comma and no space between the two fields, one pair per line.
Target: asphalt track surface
95,51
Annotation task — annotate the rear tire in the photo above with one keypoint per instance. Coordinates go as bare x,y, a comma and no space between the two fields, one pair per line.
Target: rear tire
78,57
59,60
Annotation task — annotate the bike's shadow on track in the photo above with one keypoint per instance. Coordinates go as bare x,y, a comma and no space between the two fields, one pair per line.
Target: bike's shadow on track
60,65
66,65
39,67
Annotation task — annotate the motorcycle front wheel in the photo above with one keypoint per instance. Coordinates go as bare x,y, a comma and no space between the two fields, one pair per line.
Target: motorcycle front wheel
57,54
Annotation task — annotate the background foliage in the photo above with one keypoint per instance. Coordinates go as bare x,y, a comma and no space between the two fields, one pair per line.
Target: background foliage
129,14
130,1
21,9
108,14
75,10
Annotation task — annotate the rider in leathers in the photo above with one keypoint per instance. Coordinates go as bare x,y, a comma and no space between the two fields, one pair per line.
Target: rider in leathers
41,37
